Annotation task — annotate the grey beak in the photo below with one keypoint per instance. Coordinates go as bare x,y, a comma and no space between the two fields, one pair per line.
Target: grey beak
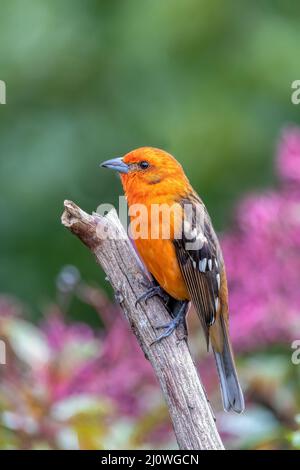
116,164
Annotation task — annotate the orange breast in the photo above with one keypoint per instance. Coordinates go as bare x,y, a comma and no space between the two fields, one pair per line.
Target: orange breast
155,246
160,259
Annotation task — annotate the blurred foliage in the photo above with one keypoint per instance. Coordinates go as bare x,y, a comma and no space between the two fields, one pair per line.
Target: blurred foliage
211,83
68,385
87,81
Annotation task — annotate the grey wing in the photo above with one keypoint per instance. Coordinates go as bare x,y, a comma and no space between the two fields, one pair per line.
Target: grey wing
199,260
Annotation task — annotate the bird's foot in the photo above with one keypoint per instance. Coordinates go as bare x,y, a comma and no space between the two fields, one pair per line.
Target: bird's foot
151,292
172,325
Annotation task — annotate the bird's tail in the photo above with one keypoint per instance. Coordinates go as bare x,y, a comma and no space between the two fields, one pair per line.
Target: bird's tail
232,394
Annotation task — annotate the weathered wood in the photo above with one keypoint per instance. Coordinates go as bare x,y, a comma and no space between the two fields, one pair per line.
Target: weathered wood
190,412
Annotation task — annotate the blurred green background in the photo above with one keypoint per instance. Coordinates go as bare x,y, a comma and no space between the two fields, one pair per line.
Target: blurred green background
207,80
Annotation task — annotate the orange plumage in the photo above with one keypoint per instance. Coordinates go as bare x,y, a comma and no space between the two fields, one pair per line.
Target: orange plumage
161,185
153,179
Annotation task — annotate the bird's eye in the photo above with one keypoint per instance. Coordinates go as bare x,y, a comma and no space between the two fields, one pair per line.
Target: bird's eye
143,165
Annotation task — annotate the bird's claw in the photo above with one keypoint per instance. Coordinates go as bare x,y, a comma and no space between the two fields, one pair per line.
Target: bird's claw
168,327
173,324
151,292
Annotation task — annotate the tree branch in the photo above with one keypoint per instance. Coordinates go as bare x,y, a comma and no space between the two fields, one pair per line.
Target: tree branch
190,412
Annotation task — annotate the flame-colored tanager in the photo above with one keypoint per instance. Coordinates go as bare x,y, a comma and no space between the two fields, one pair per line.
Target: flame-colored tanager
187,264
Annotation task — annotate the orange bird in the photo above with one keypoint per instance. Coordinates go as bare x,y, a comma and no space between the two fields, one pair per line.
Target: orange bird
180,249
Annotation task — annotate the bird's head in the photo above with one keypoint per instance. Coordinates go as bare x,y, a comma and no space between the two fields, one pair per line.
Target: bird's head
149,170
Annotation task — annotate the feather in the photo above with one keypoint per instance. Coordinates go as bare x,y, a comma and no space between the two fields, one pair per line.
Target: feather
200,267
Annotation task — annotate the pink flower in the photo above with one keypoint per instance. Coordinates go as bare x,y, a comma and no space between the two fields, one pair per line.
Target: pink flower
262,256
